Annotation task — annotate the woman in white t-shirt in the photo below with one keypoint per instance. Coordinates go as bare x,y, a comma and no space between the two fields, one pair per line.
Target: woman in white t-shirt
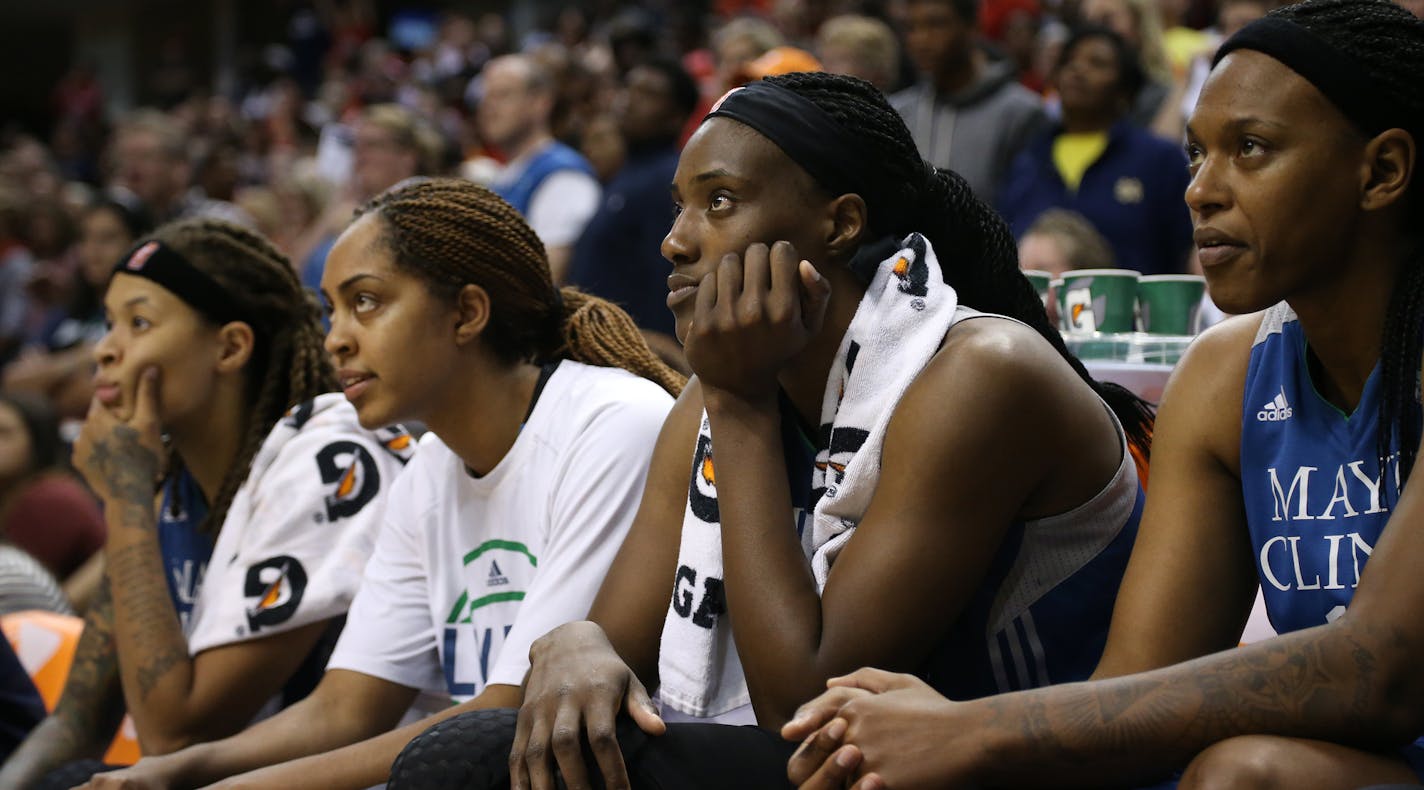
543,407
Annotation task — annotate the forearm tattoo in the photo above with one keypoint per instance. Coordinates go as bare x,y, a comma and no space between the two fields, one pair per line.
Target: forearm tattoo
1317,684
89,710
152,639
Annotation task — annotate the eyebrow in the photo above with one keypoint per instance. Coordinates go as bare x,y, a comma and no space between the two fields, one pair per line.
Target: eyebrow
349,281
1237,124
720,172
135,300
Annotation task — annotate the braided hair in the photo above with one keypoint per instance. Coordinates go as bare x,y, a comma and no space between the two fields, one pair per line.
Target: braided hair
1388,43
288,365
450,233
940,205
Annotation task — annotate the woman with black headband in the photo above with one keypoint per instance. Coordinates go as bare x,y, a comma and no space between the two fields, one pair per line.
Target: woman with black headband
1282,459
241,501
879,473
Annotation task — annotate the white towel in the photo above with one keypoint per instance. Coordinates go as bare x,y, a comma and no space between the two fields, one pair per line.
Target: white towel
897,328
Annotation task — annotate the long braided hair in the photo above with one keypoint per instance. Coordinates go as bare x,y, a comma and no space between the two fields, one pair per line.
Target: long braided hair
450,233
289,365
939,204
1388,42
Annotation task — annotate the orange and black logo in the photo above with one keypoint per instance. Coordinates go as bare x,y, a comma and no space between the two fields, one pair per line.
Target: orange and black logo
274,590
398,442
353,471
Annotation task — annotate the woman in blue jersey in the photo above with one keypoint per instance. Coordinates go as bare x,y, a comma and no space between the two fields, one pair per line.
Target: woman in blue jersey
241,498
879,472
1283,442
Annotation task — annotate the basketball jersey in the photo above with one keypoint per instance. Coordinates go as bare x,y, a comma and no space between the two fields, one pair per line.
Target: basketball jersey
1041,615
185,550
1316,498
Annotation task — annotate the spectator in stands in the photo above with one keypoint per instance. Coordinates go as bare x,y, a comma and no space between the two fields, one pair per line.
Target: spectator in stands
1127,182
390,144
214,345
16,265
968,114
1139,23
1060,241
551,184
44,510
150,159
860,46
737,43
619,257
61,368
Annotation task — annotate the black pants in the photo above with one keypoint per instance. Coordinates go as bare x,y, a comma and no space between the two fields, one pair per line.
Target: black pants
472,751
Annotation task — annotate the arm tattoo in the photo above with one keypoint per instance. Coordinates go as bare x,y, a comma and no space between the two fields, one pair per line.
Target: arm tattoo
1324,683
126,465
152,637
89,710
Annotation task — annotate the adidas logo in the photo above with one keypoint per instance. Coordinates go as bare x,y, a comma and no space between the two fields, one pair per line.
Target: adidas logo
1276,409
496,578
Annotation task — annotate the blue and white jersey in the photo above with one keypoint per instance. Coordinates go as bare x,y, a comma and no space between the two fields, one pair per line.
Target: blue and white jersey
1316,498
185,549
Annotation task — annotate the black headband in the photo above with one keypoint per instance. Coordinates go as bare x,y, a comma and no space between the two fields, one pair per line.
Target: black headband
805,132
156,261
1334,73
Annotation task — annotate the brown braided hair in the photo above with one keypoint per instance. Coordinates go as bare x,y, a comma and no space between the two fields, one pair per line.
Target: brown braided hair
289,364
450,233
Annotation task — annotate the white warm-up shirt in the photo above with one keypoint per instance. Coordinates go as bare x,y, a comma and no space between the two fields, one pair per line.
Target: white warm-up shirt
469,571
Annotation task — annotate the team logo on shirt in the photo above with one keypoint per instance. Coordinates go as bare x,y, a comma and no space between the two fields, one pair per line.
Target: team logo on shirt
348,466
298,415
398,442
274,590
468,647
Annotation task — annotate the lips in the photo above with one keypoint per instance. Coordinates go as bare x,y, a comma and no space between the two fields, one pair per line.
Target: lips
107,392
1215,248
681,287
354,382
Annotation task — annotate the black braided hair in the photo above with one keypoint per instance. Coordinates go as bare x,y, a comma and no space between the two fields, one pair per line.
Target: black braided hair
1388,42
939,204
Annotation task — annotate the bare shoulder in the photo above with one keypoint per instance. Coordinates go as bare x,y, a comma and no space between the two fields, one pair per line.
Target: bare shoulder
1217,359
998,350
1201,405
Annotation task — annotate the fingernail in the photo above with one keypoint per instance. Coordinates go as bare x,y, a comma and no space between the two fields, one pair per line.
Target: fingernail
845,759
837,729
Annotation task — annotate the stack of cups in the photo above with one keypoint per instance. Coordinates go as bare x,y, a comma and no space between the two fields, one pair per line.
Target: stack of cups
1170,303
1095,303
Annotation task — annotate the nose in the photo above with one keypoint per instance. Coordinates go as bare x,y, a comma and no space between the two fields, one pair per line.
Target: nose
679,245
1207,192
106,351
338,339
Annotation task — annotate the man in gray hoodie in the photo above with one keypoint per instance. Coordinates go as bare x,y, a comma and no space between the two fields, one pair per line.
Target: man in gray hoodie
967,113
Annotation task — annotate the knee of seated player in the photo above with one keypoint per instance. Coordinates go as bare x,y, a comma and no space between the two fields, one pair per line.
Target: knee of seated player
1250,762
